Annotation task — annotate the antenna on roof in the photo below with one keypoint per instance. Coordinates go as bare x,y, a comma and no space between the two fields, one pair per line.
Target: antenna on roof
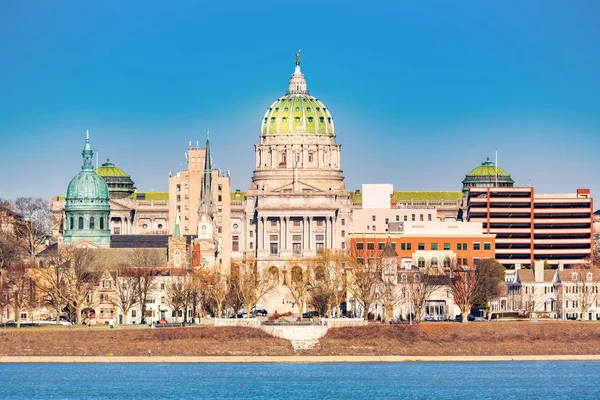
190,143
97,156
496,168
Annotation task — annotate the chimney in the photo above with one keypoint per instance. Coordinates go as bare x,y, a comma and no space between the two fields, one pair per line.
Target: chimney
561,266
538,271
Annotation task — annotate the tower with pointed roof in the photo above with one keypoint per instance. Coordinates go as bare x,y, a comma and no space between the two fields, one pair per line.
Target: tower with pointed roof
87,208
207,227
177,248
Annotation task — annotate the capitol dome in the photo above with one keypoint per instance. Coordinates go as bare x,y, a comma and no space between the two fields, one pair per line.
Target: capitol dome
119,182
487,175
297,111
87,208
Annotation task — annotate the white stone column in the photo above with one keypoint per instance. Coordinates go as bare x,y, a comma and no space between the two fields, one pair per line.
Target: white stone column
273,157
320,156
259,238
258,158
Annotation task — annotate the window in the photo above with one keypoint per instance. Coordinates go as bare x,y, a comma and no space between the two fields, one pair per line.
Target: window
387,221
297,249
397,218
394,245
359,246
476,246
373,218
408,246
434,261
370,246
574,276
178,188
343,233
273,222
421,262
220,197
296,222
428,217
220,209
343,221
71,224
273,238
91,222
220,187
310,157
106,284
589,276
320,237
421,217
360,260
487,246
446,246
406,218
235,243
373,227
403,246
251,234
434,246
319,222
274,249
178,198
465,246
380,245
458,246
446,262
80,222
297,238
421,246
251,246
177,258
320,246
101,223
413,217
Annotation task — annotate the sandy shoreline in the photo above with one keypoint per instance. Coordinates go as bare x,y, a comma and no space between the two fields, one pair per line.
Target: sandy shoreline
291,359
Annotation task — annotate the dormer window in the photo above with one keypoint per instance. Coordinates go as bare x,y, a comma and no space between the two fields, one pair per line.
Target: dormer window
310,119
589,276
321,119
297,108
285,109
307,108
574,276
297,119
276,108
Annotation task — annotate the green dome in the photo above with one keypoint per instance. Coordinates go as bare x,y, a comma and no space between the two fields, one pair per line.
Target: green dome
487,168
109,169
87,186
297,113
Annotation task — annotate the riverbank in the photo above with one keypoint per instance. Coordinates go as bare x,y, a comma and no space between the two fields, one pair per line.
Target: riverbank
294,359
489,341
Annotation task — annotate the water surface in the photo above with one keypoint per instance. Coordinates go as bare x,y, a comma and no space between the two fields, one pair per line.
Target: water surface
482,380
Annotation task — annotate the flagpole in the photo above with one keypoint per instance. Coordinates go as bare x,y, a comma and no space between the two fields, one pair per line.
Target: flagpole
496,168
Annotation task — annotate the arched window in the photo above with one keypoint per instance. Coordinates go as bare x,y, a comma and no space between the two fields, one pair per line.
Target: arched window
319,274
274,274
434,262
71,223
91,222
177,258
446,262
101,223
421,262
297,274
80,222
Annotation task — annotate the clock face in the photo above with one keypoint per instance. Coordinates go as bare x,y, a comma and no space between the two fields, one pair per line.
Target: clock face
235,226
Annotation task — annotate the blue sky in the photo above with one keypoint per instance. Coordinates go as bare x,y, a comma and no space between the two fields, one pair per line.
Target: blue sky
420,93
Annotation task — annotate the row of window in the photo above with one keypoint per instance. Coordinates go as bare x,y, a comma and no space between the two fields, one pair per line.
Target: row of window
421,246
413,218
80,224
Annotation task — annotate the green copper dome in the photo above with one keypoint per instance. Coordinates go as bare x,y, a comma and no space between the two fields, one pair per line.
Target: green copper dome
87,208
109,169
487,168
487,175
295,113
119,183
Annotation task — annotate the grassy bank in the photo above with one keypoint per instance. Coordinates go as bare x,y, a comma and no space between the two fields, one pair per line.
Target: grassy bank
427,339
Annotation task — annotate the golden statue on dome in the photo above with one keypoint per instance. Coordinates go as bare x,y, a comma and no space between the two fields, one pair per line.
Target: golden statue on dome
298,57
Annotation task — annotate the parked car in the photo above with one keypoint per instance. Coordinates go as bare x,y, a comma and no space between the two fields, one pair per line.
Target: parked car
310,314
259,313
459,318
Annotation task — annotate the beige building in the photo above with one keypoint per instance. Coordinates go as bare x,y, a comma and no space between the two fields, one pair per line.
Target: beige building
185,189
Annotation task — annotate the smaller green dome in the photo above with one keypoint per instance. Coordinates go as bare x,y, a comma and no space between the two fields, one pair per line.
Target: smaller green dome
87,186
487,168
109,169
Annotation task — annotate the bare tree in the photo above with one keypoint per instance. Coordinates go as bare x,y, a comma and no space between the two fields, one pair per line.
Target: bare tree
38,223
81,278
126,291
419,286
52,281
490,282
216,289
583,287
321,297
464,290
21,289
299,284
253,285
335,264
143,263
365,283
176,294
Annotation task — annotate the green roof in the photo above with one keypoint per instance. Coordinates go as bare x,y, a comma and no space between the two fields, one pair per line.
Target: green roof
109,169
151,196
400,196
356,196
234,196
297,113
487,168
